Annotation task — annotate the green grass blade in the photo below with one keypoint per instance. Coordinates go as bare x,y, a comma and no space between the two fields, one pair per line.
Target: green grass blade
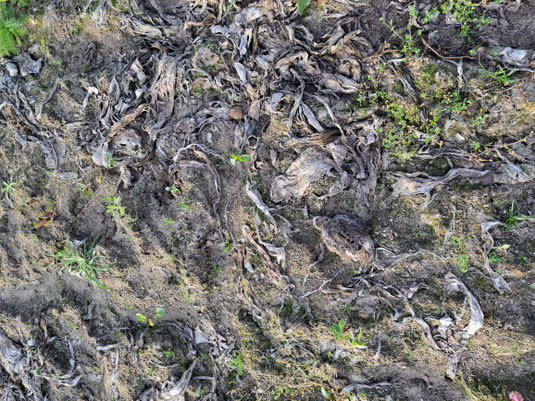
302,5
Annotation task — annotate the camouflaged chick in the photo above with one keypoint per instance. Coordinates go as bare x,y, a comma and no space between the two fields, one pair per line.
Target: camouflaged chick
346,237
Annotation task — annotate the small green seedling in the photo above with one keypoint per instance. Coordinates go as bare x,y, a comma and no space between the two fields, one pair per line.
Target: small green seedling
237,363
480,118
185,203
173,189
277,393
494,257
158,312
239,157
326,394
338,329
228,245
110,161
114,206
462,261
217,268
169,220
358,341
347,309
131,221
9,186
461,253
408,40
85,191
168,353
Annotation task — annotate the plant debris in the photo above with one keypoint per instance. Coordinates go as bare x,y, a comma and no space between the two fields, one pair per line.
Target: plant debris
287,200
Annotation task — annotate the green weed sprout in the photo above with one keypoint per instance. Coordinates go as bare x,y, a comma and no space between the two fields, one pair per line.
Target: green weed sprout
239,157
460,253
217,268
340,331
114,206
358,341
110,161
168,220
158,312
173,189
237,363
229,246
184,204
86,263
9,186
168,353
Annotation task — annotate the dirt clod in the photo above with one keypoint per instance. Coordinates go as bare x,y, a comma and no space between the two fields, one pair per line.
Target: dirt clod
236,113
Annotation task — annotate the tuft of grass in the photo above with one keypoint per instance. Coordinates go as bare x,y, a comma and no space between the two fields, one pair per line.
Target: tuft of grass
502,75
12,27
516,219
84,262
